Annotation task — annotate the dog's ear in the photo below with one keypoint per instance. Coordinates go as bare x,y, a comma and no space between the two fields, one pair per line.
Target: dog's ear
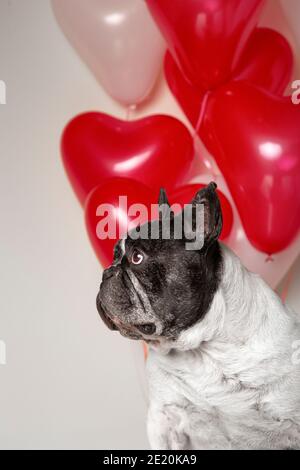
213,221
163,199
163,204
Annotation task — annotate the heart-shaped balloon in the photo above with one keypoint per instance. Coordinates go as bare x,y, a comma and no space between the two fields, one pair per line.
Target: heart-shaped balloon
267,62
257,140
156,151
107,214
206,37
254,260
119,42
111,210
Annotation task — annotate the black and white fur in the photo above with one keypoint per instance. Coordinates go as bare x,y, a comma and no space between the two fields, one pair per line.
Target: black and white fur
220,365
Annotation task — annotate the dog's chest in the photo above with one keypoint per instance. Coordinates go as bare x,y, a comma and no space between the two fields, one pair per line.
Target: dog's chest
202,379
200,395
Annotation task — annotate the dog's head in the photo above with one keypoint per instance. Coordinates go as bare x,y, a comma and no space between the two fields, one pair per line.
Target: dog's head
158,287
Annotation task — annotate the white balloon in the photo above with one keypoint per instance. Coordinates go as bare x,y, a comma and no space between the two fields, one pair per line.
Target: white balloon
119,42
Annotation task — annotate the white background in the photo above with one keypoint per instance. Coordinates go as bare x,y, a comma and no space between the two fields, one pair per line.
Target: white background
68,382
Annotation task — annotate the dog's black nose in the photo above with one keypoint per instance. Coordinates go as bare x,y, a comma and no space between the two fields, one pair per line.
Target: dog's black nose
146,328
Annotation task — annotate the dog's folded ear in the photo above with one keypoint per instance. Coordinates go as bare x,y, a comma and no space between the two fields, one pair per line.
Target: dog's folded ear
213,221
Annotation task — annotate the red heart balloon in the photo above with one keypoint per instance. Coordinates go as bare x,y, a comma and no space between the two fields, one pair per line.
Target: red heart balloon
105,210
267,62
156,150
206,37
185,194
118,216
257,141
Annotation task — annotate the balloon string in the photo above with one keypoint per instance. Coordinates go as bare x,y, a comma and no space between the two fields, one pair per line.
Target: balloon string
208,163
145,349
202,112
129,111
287,285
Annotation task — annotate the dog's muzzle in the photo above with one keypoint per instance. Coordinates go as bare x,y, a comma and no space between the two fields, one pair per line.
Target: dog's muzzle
134,330
105,318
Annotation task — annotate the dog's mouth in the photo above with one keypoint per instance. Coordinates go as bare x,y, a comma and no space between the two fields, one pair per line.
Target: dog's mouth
131,331
112,322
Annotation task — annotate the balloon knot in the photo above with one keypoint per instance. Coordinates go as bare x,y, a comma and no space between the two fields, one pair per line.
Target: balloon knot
269,259
130,110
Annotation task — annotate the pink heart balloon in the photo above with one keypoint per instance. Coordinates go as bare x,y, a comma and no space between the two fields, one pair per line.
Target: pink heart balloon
119,42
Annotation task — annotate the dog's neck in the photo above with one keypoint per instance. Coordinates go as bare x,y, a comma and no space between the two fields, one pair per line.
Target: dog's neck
241,307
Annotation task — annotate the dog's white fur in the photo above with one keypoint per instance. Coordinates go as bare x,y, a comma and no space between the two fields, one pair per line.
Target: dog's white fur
229,382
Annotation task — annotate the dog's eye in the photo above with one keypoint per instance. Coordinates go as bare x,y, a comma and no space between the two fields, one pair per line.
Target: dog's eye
137,257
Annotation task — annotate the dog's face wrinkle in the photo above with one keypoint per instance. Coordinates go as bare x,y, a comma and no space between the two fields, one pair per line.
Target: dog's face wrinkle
104,316
136,291
148,312
128,285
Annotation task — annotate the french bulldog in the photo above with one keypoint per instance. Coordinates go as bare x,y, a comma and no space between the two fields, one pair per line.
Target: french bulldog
221,366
